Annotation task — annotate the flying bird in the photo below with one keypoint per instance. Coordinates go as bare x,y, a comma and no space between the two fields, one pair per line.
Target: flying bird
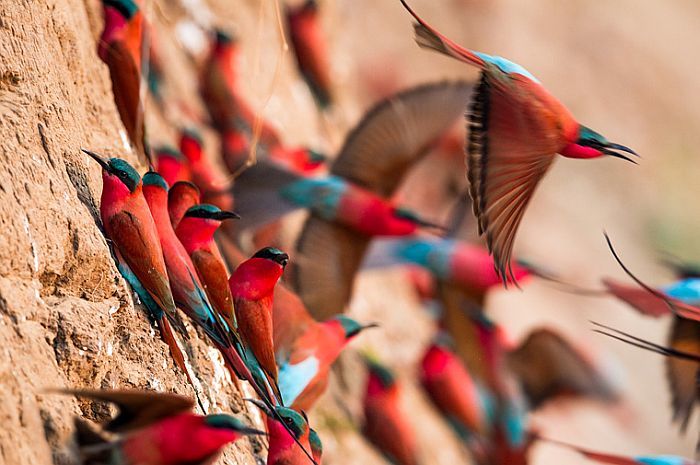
516,129
121,47
156,429
353,204
305,349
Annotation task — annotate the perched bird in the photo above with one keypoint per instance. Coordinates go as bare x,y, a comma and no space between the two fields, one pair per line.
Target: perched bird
353,204
209,178
156,429
453,391
196,232
219,88
516,129
309,45
188,290
316,446
172,165
130,227
386,426
305,349
181,197
252,287
121,48
290,437
614,459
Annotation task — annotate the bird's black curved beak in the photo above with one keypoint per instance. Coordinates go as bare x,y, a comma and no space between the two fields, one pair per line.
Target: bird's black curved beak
225,215
248,431
614,151
369,325
261,405
103,163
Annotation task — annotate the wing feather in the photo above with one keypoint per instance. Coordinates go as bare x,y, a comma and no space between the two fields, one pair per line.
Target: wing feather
512,143
398,132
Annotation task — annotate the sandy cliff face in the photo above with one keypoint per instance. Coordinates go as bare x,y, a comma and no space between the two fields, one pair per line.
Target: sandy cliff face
68,319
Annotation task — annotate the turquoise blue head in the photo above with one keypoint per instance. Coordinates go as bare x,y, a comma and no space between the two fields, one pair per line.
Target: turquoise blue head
127,8
293,421
210,212
118,168
154,179
590,144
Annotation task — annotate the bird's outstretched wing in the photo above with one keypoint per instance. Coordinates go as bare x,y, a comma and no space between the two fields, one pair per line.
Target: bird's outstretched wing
548,367
136,408
328,257
290,319
398,132
512,142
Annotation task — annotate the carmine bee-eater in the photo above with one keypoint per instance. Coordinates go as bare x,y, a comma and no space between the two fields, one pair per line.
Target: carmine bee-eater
468,267
156,429
196,232
121,48
187,289
289,436
516,129
220,91
354,203
130,227
305,349
252,286
453,390
209,178
172,165
386,425
309,46
614,459
181,197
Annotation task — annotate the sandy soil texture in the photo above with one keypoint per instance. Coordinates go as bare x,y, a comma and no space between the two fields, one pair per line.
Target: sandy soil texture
624,67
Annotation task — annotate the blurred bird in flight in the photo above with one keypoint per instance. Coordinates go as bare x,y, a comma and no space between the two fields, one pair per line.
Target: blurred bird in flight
516,129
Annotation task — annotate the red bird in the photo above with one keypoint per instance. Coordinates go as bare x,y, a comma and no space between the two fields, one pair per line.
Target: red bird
453,390
517,128
120,47
196,232
290,437
209,178
219,88
181,197
306,349
129,225
386,426
252,286
172,165
309,46
156,429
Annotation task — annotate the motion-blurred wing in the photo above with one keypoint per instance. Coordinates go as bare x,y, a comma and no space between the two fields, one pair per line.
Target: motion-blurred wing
328,258
137,408
548,367
397,132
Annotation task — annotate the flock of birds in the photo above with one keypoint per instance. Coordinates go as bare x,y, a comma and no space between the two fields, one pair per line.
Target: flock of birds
178,243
